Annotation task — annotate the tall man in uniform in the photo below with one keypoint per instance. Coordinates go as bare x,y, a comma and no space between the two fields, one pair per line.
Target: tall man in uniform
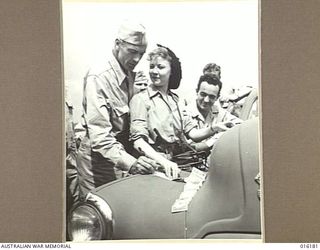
105,151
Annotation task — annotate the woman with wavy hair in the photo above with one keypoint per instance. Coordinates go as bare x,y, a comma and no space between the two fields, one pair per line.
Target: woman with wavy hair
158,122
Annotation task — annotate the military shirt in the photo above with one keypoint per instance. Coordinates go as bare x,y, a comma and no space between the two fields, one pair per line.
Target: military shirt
150,110
107,91
215,115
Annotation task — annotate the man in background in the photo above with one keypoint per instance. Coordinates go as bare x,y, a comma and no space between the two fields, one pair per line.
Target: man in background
141,82
72,189
212,69
229,100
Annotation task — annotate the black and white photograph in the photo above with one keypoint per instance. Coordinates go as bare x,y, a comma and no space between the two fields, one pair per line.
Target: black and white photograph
162,120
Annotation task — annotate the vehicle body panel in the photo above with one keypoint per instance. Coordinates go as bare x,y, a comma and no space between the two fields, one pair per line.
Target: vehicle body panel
250,106
227,203
141,207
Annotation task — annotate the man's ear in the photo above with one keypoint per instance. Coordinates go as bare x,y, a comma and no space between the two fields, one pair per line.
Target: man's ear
117,44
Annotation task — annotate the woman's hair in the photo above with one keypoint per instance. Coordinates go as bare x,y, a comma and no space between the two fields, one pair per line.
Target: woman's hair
176,73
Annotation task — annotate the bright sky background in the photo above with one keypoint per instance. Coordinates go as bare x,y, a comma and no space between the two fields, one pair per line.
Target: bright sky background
224,32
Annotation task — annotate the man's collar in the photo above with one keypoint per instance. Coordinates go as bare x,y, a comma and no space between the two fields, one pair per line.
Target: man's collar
195,113
117,69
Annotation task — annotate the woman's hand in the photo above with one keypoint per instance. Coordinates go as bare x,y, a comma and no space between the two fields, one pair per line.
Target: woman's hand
171,169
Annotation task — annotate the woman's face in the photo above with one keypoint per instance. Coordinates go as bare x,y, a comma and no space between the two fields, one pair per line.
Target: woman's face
159,71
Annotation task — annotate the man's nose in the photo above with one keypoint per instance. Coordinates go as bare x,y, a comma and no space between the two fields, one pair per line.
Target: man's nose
206,99
137,58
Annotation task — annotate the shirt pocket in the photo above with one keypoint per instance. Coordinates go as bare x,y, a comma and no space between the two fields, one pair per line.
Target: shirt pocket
119,118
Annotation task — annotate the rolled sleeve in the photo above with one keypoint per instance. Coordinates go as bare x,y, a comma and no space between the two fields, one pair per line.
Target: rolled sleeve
188,122
139,118
99,126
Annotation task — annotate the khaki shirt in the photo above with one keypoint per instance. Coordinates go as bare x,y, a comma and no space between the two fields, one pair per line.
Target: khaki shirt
216,115
150,111
107,91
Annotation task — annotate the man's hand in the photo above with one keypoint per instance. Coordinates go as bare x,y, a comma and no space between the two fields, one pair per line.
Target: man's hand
228,124
143,165
218,127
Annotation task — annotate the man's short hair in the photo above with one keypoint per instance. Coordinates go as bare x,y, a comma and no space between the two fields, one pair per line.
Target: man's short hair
212,66
210,80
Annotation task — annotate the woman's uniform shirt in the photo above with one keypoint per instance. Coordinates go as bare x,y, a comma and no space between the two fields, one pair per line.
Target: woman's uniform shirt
150,111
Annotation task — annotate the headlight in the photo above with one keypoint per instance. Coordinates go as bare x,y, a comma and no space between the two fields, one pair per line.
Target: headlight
85,223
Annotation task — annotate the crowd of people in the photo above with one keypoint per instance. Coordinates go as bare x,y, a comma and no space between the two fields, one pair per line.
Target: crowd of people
132,126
